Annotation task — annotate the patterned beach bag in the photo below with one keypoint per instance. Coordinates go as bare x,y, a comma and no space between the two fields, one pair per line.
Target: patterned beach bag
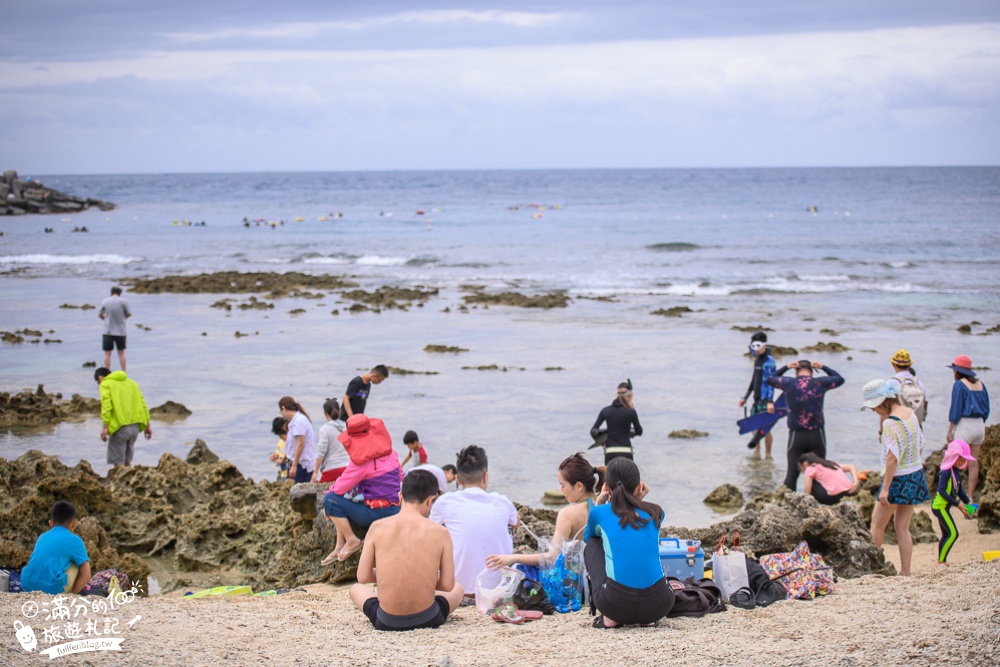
803,574
107,581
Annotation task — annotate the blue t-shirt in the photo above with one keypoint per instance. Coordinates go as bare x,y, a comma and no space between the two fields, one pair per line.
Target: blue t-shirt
968,403
631,557
55,550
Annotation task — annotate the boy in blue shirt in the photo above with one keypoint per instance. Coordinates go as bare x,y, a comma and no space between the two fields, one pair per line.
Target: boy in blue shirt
59,561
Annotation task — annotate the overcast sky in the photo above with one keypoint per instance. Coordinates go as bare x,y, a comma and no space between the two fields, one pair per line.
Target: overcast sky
122,86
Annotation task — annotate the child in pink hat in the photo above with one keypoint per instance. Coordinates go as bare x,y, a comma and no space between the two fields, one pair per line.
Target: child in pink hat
949,491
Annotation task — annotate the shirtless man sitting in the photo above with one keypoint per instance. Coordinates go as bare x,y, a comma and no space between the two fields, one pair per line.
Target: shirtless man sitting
416,569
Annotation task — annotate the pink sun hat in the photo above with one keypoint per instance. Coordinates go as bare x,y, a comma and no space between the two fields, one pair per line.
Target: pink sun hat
957,449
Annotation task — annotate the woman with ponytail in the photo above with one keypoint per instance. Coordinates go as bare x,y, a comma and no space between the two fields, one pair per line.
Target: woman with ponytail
579,482
623,552
300,447
622,421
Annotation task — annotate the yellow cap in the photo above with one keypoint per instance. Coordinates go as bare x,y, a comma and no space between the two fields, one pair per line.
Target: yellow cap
901,358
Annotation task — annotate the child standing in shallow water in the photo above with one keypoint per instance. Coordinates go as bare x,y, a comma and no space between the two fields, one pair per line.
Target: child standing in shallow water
949,490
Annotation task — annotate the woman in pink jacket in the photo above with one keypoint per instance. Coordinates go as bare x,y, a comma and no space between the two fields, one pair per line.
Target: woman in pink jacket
368,490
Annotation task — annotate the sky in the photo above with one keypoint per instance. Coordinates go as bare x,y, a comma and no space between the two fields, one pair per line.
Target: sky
133,86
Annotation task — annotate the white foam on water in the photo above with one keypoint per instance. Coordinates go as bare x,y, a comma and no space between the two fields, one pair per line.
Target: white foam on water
377,260
66,259
326,260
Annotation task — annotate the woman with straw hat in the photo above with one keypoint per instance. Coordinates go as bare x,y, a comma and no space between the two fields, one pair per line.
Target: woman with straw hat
970,408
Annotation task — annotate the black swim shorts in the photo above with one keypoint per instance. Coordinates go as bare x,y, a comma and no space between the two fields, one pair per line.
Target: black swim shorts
432,617
111,342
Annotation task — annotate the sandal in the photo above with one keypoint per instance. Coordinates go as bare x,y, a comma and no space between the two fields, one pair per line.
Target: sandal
530,614
507,613
344,555
599,623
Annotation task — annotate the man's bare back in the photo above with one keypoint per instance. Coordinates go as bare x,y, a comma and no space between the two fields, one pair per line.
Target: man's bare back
409,553
410,558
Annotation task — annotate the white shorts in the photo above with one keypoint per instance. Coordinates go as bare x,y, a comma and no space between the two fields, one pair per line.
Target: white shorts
970,429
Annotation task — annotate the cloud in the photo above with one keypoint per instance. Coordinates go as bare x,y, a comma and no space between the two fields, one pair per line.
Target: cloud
310,29
890,96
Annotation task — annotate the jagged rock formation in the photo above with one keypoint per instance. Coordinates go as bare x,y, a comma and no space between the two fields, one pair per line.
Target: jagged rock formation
18,197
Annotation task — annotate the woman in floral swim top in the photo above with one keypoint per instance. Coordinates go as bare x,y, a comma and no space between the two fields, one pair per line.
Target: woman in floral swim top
804,396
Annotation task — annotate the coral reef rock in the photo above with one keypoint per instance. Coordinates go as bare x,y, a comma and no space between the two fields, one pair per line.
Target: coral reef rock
725,495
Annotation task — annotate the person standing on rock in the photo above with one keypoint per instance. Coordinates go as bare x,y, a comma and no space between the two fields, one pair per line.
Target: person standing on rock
114,311
804,396
622,421
356,396
123,413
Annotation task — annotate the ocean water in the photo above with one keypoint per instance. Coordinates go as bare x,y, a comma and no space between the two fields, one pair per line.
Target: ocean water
889,258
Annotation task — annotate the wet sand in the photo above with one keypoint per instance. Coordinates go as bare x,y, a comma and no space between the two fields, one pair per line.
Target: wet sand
939,616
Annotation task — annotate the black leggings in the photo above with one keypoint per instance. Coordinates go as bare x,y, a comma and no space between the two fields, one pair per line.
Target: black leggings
623,604
949,533
820,494
799,443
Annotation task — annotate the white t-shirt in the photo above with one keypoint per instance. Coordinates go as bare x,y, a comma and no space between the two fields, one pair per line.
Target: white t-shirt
329,448
299,425
477,522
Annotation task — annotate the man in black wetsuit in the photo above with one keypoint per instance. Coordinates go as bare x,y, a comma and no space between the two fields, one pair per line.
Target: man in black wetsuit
622,421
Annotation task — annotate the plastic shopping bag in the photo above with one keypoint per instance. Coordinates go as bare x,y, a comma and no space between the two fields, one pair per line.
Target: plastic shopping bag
729,567
496,587
564,578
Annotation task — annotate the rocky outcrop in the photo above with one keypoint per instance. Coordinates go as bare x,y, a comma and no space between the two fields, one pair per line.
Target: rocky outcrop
688,434
778,522
40,409
169,411
518,300
276,285
725,495
18,197
37,408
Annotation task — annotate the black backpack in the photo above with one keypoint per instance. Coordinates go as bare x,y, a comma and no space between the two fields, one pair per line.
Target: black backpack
764,590
695,597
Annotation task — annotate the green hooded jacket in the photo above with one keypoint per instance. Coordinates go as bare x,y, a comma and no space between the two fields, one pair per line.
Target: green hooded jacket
122,403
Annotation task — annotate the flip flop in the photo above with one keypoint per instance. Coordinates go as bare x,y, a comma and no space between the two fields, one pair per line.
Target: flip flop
329,559
530,614
508,613
344,556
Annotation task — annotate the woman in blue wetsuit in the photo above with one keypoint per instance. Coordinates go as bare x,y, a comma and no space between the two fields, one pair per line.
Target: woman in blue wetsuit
623,552
622,421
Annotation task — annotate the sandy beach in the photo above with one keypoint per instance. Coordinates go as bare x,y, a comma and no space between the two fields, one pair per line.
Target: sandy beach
939,616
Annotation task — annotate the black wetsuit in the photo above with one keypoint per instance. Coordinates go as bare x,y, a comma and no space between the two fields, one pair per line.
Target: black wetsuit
621,422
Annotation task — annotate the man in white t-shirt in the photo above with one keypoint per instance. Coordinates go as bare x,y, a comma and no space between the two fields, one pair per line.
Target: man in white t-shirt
479,522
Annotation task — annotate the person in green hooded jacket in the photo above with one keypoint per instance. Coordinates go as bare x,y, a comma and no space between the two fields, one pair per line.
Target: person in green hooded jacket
123,413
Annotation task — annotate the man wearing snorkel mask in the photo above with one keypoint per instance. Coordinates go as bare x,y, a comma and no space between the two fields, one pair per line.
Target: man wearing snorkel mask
763,393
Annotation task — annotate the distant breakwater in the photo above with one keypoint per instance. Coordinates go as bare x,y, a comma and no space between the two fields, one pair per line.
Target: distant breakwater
18,197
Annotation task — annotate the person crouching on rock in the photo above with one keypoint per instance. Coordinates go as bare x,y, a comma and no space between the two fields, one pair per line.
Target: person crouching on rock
827,481
622,553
